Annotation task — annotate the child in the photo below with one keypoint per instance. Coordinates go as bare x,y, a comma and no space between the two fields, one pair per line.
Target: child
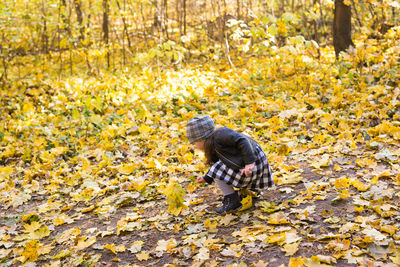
236,160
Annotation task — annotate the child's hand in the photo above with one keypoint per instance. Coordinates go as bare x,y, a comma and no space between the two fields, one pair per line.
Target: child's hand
200,180
248,169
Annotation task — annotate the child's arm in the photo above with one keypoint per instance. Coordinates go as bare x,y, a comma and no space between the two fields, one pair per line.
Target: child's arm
248,169
200,180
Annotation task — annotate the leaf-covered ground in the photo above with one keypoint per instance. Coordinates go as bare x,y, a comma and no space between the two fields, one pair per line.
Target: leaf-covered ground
93,169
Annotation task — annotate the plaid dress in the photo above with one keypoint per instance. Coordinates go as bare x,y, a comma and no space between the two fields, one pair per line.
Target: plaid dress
260,177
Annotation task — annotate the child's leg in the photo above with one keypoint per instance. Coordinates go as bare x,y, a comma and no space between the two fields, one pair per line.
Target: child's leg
226,189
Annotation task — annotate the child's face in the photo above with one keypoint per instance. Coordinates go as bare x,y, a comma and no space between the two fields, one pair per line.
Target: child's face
199,145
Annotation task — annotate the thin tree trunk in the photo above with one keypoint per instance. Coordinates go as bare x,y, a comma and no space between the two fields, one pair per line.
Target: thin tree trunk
272,8
59,37
357,16
342,27
79,16
45,38
144,25
125,26
88,37
178,17
316,35
282,9
238,9
4,59
70,37
88,24
374,15
228,55
165,18
106,30
63,17
184,17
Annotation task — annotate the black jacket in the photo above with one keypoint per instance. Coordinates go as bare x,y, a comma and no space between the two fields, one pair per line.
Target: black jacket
234,149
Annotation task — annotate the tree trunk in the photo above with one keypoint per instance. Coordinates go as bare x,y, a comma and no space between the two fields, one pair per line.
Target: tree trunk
165,18
64,19
178,17
341,27
184,17
238,9
105,29
45,38
88,23
125,31
79,16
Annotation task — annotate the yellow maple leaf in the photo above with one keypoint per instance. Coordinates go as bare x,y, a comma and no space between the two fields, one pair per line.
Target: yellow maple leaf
339,245
196,201
40,233
279,238
360,186
390,229
190,188
366,162
58,221
211,224
114,249
247,202
28,107
85,242
290,178
296,262
30,251
171,244
278,218
290,249
45,249
143,256
5,173
323,161
359,208
127,169
47,157
33,226
342,182
57,151
140,186
174,193
145,130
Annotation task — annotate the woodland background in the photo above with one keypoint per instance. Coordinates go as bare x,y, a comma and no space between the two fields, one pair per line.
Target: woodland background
95,169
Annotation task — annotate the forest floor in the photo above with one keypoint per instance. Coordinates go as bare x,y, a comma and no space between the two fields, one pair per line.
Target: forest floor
96,170
314,226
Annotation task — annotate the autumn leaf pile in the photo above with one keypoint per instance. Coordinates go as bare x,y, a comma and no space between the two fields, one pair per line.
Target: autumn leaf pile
97,170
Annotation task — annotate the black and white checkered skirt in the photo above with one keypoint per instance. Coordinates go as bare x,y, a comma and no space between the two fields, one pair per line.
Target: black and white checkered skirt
260,177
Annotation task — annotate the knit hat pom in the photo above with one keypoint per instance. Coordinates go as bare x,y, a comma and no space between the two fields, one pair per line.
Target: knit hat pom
199,128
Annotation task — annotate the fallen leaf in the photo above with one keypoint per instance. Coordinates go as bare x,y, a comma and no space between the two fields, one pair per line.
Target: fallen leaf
85,242
143,256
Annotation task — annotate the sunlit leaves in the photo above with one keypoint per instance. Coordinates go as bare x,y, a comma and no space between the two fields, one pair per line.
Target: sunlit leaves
30,252
108,153
174,193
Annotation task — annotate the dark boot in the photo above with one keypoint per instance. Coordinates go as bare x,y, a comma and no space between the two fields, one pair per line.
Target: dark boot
230,203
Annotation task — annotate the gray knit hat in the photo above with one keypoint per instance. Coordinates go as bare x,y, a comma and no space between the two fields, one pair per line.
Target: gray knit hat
199,128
